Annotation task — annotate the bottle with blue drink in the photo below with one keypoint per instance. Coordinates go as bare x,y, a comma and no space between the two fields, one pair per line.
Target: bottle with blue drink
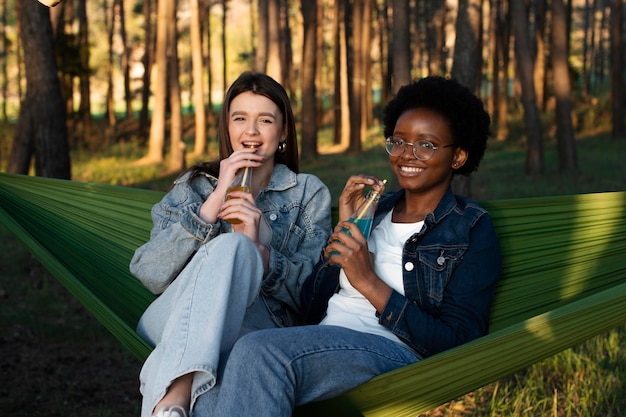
364,215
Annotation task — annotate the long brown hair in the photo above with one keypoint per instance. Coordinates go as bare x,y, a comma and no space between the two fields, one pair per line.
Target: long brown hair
263,84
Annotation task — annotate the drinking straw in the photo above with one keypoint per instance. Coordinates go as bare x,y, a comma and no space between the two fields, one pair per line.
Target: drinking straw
245,175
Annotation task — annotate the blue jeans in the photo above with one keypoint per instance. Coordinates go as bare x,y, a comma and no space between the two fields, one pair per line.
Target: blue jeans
270,372
196,320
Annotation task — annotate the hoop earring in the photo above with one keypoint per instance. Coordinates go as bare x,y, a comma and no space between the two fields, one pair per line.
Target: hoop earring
282,147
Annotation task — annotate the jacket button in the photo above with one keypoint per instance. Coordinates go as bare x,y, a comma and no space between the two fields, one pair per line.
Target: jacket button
409,266
273,216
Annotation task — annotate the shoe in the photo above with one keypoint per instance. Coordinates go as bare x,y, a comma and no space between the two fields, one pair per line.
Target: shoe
173,411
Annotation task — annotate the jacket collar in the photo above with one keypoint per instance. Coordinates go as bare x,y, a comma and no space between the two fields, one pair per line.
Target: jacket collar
446,205
282,178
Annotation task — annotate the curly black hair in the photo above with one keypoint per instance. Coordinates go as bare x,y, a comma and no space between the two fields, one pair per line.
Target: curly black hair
468,121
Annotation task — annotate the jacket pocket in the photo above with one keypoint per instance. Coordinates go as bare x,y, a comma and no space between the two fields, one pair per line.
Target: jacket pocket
437,266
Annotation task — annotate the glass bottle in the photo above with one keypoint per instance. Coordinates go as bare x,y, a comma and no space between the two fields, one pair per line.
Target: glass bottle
364,215
242,182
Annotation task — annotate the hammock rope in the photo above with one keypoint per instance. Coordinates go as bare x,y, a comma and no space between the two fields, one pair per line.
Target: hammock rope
564,281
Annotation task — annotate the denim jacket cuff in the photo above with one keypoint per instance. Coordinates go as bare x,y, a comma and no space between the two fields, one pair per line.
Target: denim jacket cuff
392,311
191,221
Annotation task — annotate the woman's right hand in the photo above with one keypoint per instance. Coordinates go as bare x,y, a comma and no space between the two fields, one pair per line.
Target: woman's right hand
352,195
228,171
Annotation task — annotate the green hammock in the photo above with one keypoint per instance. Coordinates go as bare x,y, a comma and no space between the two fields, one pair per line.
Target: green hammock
564,281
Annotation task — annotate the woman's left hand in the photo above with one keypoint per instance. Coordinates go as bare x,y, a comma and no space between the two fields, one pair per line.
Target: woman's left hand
350,251
240,205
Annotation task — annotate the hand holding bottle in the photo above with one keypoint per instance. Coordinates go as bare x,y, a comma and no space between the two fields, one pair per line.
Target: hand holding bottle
346,236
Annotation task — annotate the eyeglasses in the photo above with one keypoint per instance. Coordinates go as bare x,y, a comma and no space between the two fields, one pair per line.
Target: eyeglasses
422,149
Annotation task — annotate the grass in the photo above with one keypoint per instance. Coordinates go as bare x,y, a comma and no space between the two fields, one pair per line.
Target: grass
587,380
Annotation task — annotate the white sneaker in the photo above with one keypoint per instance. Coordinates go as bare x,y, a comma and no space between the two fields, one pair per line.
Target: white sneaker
173,411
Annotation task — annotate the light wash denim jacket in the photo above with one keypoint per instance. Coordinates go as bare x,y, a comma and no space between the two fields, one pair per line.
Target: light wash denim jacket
295,206
450,268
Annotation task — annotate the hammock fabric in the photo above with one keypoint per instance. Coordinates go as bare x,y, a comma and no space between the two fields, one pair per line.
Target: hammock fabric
564,281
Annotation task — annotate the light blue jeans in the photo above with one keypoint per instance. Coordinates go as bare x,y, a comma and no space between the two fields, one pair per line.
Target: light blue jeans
195,321
269,372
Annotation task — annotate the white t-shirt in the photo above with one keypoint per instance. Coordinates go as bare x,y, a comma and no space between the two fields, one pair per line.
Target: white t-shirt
348,308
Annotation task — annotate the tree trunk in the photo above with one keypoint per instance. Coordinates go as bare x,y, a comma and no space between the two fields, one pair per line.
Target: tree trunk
224,55
209,68
177,146
109,18
147,68
260,57
309,64
437,37
618,101
383,30
341,113
84,108
524,59
41,128
198,79
466,66
356,76
502,54
156,145
562,88
467,63
540,61
400,50
587,28
274,62
286,51
368,107
3,59
128,95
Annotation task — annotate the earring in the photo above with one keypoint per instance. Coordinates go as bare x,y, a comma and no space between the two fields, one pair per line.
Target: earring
282,147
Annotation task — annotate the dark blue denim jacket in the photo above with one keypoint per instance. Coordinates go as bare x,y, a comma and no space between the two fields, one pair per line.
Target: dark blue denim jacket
450,269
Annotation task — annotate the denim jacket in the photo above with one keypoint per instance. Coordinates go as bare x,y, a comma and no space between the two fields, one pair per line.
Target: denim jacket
295,206
450,268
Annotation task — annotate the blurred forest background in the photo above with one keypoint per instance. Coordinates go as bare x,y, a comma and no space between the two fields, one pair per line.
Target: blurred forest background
88,88
84,75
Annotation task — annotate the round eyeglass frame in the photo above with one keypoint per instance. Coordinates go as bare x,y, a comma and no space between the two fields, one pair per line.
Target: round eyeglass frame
429,149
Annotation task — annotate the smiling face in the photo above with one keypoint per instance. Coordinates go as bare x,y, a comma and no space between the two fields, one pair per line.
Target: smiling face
255,121
434,174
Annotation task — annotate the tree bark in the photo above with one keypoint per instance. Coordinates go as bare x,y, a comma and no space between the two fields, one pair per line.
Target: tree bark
274,62
618,100
502,78
177,146
341,113
198,79
400,50
562,88
540,61
109,18
128,95
3,59
309,65
356,76
147,68
524,59
41,129
466,67
84,108
260,57
156,145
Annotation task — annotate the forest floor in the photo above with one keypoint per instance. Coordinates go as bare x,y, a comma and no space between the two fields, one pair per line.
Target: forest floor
56,359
